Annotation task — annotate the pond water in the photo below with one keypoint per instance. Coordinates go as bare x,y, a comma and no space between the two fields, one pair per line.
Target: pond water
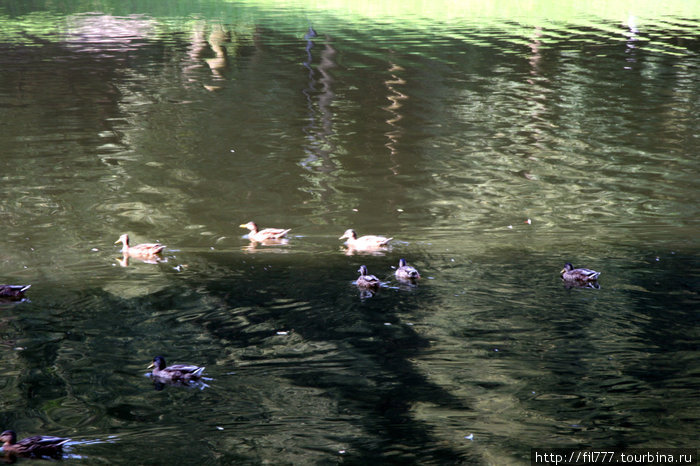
493,141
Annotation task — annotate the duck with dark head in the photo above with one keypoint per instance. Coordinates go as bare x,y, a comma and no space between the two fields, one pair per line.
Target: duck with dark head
36,446
571,274
406,272
13,292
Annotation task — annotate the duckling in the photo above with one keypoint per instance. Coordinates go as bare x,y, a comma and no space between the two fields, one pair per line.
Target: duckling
406,272
140,250
365,280
264,235
176,372
578,275
39,445
366,242
13,292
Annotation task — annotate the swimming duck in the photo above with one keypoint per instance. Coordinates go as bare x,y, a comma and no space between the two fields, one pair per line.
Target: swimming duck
406,272
366,280
13,292
578,275
263,235
140,250
176,372
364,242
38,445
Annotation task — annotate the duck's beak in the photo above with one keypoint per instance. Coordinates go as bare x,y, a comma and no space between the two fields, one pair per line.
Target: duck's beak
562,272
118,241
151,366
243,225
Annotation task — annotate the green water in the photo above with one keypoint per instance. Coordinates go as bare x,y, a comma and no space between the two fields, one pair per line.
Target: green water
446,127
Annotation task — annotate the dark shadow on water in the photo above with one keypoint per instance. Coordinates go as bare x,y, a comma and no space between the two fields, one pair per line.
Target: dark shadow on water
380,386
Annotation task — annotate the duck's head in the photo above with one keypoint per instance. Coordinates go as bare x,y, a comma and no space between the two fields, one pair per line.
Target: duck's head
349,234
158,363
567,268
124,239
250,225
9,436
362,270
402,262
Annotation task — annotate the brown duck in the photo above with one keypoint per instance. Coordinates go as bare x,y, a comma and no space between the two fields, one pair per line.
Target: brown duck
569,273
39,445
264,235
406,272
140,250
176,372
367,242
365,280
13,292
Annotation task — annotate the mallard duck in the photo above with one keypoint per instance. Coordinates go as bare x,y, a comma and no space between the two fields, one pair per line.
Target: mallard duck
13,292
263,235
364,242
140,250
176,372
406,272
366,280
38,445
578,275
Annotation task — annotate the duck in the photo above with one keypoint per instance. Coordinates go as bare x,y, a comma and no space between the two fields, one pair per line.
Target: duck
406,272
265,234
364,242
176,372
569,273
38,445
140,250
365,280
13,292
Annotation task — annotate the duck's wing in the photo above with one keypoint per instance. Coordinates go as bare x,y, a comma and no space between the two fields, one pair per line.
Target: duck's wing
274,233
146,249
185,369
588,273
42,441
370,241
408,272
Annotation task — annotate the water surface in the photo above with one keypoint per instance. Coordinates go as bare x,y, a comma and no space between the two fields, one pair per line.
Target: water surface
494,143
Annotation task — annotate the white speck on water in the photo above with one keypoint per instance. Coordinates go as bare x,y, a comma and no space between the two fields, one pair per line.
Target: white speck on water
219,428
94,249
469,437
387,323
283,332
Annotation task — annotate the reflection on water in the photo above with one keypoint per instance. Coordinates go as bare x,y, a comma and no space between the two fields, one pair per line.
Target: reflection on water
492,152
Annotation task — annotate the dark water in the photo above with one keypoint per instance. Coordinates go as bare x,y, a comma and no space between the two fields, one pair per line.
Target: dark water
178,122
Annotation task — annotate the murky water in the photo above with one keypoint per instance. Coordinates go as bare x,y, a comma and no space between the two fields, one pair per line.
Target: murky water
492,146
